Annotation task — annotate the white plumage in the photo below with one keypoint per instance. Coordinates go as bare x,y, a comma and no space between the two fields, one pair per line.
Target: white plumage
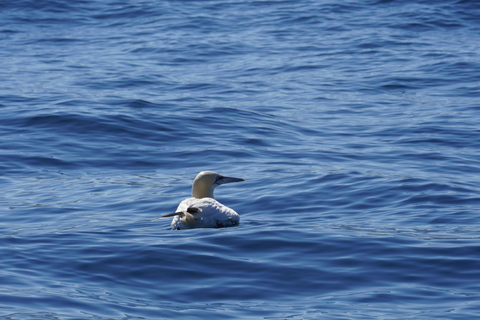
202,210
211,214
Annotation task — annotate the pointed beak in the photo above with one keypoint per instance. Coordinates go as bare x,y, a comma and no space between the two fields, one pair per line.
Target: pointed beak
223,179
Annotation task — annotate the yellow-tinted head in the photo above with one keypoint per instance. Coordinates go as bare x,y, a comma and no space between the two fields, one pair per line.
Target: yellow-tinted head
207,181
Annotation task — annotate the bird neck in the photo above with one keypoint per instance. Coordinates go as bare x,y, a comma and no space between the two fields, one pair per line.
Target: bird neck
200,190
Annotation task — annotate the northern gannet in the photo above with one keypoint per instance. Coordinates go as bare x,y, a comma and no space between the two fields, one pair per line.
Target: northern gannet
202,210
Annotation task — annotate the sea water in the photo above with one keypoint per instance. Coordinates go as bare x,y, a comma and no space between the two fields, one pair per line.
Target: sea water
356,125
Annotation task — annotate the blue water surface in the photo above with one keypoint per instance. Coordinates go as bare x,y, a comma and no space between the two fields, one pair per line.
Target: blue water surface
354,123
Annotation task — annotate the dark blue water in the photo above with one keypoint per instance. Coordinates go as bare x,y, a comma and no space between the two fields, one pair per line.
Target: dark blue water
356,125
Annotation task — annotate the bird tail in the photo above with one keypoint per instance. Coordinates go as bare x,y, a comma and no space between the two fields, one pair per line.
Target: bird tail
190,210
169,215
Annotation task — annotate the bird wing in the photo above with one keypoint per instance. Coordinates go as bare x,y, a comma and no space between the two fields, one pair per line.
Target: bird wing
190,209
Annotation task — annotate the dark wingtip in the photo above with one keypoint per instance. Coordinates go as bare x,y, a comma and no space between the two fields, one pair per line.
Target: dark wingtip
193,210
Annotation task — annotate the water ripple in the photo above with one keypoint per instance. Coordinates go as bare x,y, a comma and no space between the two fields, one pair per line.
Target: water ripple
355,126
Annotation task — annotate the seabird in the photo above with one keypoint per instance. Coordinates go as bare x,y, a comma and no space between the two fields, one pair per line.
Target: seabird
202,210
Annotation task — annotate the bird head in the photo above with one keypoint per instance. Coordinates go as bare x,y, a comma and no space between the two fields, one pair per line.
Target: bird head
207,181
